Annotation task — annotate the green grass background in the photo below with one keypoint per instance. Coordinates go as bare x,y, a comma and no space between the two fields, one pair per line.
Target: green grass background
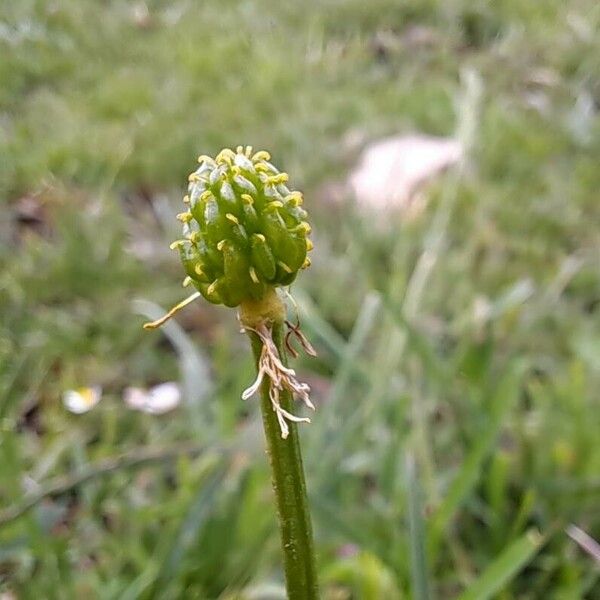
449,452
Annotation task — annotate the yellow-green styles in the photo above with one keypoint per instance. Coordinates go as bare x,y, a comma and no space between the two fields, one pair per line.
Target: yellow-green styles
245,232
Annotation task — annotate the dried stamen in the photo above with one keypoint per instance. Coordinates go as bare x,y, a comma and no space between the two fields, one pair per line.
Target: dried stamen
175,309
280,378
296,331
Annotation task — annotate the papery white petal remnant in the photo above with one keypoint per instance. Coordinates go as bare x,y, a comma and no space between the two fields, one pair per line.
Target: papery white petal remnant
82,399
280,378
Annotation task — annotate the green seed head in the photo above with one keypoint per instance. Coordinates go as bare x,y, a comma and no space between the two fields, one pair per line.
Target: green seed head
245,232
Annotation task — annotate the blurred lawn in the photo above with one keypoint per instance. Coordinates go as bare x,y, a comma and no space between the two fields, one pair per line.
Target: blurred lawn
459,412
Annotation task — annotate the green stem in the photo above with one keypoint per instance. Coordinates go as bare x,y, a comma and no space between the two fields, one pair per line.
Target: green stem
289,486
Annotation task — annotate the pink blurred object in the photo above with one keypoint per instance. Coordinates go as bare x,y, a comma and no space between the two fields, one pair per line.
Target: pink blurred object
392,170
586,541
158,400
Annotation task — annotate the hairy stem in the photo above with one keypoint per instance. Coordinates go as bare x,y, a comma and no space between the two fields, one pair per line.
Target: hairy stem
289,486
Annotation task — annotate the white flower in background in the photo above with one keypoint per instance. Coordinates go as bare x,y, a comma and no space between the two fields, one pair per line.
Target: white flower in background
82,399
157,400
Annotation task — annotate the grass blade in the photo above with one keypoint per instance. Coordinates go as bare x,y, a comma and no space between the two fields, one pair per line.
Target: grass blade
332,411
191,525
418,559
469,473
194,365
504,567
